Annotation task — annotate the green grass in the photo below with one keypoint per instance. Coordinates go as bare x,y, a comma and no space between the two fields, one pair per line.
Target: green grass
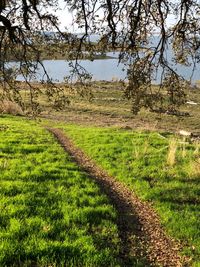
51,213
159,169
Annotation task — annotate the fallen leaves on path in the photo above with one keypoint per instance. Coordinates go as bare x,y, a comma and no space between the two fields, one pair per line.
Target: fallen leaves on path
139,225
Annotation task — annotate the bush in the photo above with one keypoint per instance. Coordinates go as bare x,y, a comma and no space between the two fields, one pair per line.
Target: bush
10,107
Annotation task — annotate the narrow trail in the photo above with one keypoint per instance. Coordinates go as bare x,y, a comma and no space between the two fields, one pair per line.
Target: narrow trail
140,229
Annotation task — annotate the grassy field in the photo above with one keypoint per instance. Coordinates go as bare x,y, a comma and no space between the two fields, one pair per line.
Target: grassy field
51,213
108,106
160,168
104,104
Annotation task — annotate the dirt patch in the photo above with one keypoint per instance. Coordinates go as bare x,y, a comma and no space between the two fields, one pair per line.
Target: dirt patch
140,229
101,120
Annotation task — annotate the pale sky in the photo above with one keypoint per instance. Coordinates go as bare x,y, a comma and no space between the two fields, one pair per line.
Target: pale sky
66,18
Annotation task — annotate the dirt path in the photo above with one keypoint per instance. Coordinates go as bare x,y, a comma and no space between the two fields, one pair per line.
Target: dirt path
140,230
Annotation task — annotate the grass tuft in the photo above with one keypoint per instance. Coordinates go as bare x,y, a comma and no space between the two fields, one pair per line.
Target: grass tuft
171,156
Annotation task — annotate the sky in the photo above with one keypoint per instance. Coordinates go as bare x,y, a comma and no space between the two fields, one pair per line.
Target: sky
66,18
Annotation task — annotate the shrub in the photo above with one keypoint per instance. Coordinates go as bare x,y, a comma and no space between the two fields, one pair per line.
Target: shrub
9,107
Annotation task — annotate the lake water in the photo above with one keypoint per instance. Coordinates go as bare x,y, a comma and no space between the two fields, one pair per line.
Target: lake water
101,69
106,69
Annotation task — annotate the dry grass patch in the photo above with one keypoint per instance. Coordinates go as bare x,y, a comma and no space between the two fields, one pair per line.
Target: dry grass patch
10,107
171,156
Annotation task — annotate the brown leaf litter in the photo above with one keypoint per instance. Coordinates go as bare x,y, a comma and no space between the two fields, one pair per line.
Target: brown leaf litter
140,230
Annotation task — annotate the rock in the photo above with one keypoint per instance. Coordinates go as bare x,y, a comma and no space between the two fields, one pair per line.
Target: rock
195,136
185,133
191,103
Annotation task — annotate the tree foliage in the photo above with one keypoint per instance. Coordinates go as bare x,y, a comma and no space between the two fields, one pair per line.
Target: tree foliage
139,30
25,27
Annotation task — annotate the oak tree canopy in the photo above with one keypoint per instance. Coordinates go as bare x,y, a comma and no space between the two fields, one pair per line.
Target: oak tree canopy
140,30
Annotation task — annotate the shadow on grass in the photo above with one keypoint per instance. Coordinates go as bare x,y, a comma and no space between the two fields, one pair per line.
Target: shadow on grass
179,196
